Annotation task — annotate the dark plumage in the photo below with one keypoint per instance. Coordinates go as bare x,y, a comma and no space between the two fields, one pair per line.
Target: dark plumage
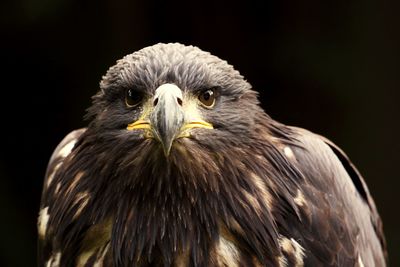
164,175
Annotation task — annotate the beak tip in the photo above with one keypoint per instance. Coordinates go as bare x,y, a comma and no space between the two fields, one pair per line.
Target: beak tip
166,145
167,150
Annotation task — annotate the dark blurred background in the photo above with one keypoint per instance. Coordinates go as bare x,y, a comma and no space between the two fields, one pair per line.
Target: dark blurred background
329,66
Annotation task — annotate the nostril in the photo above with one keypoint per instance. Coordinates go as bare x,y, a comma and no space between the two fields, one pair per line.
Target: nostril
179,101
155,101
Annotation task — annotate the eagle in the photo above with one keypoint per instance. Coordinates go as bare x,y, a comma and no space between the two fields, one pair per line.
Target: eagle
180,166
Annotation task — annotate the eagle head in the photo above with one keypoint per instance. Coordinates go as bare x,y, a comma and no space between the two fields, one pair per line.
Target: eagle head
173,98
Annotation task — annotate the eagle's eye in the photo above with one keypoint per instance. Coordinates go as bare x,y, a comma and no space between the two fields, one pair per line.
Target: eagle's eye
207,98
133,98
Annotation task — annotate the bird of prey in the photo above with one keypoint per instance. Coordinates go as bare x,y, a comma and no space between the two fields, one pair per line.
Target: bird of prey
180,166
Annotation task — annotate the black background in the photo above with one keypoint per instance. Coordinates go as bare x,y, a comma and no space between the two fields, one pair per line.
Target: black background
328,66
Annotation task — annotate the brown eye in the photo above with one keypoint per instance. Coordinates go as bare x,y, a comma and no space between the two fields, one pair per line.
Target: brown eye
207,98
133,98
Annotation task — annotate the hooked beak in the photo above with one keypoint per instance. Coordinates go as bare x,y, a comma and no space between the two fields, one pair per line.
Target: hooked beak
167,117
167,120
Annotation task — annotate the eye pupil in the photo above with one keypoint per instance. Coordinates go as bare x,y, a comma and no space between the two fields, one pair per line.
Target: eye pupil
133,98
207,98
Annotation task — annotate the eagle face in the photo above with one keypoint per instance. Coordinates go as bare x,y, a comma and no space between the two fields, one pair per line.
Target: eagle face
179,166
171,96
